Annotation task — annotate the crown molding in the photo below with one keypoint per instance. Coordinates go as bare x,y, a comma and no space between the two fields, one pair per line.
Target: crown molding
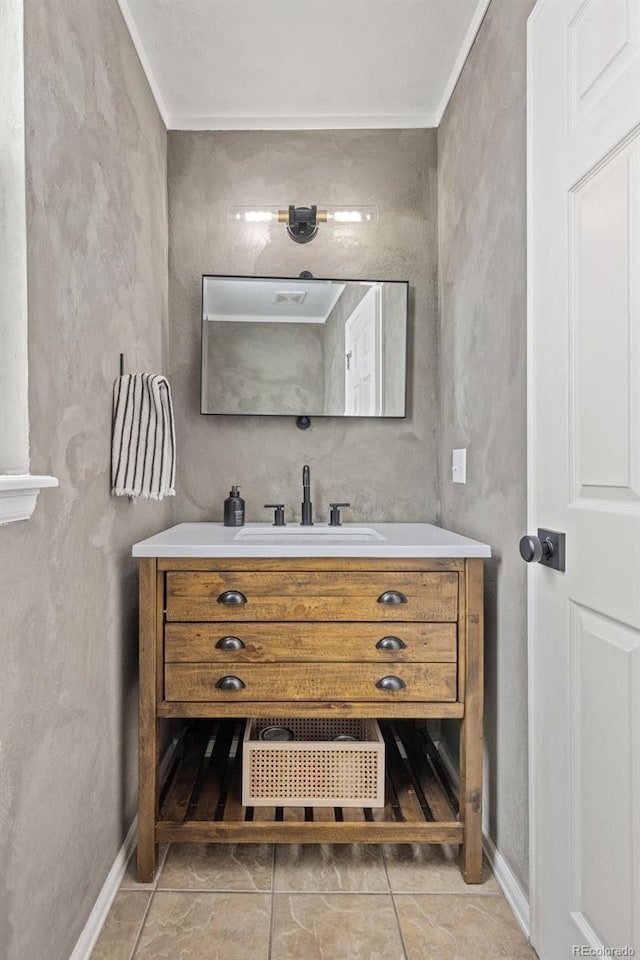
363,122
127,16
464,51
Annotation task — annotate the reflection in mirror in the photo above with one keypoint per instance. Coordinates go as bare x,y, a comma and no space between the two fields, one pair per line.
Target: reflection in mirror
296,347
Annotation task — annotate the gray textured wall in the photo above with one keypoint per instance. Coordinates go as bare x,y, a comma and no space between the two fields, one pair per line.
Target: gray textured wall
97,255
262,366
482,270
388,469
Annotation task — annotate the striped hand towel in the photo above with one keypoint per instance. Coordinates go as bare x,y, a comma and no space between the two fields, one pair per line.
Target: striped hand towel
143,442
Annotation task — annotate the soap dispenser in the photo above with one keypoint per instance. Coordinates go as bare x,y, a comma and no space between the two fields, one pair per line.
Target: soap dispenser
234,508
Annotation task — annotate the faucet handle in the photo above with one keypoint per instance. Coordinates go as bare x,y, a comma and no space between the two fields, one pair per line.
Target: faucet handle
334,519
278,520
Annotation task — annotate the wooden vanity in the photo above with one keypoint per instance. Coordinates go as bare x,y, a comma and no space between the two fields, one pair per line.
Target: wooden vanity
227,637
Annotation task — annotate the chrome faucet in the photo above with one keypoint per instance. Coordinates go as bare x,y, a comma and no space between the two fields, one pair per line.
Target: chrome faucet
307,506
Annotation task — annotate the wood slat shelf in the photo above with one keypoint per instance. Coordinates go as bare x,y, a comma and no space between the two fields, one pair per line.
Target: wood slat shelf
202,800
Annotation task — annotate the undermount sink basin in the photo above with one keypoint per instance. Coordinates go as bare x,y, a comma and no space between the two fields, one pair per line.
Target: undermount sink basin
325,534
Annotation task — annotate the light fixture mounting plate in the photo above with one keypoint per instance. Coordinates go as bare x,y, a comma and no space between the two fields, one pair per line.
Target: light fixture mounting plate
302,225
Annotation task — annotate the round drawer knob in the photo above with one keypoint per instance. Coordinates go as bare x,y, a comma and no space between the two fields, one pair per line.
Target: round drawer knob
392,597
390,684
232,597
230,683
230,643
390,643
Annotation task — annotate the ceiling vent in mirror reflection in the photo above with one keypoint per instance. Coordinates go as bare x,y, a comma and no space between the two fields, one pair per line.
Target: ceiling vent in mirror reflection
295,296
278,346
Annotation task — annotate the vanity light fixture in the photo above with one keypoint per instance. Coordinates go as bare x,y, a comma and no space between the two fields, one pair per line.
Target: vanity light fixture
302,222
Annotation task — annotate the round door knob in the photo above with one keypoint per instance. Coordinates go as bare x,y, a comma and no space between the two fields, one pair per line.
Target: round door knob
532,549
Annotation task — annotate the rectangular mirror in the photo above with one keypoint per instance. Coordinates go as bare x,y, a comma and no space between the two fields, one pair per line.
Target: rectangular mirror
296,347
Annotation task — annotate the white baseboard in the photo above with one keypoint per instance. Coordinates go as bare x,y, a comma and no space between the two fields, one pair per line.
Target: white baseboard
87,939
513,892
93,926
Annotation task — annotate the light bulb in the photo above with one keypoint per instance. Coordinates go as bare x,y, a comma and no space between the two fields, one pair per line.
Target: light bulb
352,214
346,216
259,216
253,214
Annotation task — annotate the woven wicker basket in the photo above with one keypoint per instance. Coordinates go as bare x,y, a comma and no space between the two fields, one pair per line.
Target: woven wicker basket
314,770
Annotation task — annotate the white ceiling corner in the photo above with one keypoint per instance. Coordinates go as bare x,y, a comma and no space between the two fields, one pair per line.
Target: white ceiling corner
302,64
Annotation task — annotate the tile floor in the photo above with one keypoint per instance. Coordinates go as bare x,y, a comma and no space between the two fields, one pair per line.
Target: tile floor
309,902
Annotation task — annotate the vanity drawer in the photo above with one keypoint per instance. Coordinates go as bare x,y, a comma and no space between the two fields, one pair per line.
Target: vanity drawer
336,595
310,681
269,642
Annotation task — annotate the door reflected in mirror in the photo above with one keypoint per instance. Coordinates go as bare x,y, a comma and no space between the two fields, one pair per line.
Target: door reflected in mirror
285,346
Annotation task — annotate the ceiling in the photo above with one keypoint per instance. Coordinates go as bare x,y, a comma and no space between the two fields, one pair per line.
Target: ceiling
302,64
260,300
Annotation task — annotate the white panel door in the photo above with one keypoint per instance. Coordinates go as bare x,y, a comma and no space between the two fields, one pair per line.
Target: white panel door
363,381
584,473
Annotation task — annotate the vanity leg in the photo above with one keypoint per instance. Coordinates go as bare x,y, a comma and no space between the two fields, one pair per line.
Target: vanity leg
147,723
471,732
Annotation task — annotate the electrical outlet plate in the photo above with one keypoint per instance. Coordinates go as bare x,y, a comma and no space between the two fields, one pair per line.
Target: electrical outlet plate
459,466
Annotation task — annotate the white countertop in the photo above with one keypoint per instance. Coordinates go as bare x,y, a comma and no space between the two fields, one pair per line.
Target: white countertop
349,540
